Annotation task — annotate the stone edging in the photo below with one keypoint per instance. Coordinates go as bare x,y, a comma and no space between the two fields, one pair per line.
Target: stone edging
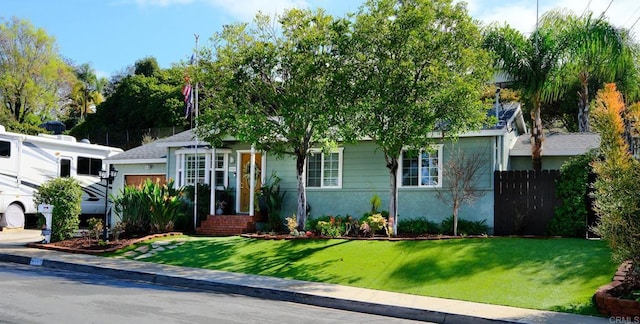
94,252
614,306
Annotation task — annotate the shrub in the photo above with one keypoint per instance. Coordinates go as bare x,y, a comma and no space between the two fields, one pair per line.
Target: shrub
273,198
569,219
292,225
153,207
416,226
374,223
65,194
465,227
133,210
204,205
617,185
95,228
165,205
334,226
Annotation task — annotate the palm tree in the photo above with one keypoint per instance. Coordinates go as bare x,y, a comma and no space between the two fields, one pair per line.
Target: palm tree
530,62
88,89
592,49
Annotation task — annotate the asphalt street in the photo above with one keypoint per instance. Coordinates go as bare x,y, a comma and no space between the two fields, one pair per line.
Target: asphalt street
43,295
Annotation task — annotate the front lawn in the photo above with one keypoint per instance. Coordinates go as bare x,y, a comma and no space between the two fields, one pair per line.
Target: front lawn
548,274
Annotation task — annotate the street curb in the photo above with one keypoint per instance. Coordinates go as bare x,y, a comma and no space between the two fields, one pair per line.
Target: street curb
258,292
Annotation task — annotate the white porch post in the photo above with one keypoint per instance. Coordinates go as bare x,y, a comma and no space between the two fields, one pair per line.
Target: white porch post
252,182
212,183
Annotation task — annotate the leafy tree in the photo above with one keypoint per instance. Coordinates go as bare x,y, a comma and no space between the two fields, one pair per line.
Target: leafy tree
462,171
415,67
33,77
616,201
272,85
138,102
531,62
592,49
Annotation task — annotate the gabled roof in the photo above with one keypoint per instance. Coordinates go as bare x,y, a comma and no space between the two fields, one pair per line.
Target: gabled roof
557,144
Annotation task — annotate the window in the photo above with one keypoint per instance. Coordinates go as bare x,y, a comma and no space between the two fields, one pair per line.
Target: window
423,169
324,170
220,169
65,168
89,166
193,168
5,149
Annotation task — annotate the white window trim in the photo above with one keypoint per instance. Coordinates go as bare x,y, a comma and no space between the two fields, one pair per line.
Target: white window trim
340,152
438,148
181,159
225,168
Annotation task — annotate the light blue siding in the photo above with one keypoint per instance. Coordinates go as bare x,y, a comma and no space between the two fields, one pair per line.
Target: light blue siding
365,174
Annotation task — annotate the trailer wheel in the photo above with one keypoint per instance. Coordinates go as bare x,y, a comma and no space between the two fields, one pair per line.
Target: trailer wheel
13,217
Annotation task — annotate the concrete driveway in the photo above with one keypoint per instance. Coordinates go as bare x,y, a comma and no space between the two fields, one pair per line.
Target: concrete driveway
14,237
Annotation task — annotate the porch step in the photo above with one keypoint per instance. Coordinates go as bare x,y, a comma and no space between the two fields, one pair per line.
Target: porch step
226,225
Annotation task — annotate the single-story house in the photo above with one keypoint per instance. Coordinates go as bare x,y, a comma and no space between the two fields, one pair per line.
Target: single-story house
341,182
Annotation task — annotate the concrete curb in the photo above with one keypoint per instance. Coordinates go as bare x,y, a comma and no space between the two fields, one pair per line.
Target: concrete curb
258,292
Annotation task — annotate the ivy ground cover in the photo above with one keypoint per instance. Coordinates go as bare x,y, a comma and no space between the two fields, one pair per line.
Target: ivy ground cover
547,274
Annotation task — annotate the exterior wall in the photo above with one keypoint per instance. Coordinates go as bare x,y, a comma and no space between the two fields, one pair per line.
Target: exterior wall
365,174
548,162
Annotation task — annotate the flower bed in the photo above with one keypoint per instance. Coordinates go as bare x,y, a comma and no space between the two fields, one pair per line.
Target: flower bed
606,298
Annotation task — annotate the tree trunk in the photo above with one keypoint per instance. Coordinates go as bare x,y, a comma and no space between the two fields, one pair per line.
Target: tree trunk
537,135
302,197
455,218
583,110
392,165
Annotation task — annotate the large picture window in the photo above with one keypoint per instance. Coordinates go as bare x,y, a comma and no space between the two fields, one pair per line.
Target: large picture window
324,170
422,169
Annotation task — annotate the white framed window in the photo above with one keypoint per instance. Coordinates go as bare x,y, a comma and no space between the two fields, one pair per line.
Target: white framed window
324,170
423,169
192,166
221,169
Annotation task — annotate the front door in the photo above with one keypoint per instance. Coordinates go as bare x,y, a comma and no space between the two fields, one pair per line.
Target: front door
245,178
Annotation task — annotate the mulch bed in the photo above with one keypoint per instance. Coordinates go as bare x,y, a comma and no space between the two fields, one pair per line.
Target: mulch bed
86,246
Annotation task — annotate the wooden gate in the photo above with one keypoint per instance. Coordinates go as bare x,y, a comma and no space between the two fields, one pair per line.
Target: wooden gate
524,201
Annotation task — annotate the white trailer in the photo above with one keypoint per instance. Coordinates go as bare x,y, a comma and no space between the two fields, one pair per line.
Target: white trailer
28,161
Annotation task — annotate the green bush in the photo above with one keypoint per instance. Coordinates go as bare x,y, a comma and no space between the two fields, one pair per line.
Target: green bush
570,216
417,226
273,198
152,208
465,227
65,194
204,205
165,205
133,210
376,222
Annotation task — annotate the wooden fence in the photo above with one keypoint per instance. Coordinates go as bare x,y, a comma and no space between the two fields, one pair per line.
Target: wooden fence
524,201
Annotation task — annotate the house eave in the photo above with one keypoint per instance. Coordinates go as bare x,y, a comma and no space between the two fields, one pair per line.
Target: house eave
137,161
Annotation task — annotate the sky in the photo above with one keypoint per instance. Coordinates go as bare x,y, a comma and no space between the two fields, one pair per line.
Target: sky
113,34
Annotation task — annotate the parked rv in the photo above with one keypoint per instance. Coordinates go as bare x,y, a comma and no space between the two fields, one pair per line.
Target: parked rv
28,161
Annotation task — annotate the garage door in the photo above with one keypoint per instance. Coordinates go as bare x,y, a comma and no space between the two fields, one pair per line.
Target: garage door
138,179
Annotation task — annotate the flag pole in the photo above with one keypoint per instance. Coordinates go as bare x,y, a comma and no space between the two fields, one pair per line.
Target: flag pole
195,187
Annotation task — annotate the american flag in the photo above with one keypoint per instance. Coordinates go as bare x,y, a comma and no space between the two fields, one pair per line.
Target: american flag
188,98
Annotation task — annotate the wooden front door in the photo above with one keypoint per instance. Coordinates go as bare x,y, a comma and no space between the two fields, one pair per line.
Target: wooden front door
245,176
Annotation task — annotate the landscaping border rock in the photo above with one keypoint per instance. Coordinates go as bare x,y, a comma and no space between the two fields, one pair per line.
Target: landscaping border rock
610,305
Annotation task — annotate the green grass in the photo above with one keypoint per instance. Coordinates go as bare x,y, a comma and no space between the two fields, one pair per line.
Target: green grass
548,274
